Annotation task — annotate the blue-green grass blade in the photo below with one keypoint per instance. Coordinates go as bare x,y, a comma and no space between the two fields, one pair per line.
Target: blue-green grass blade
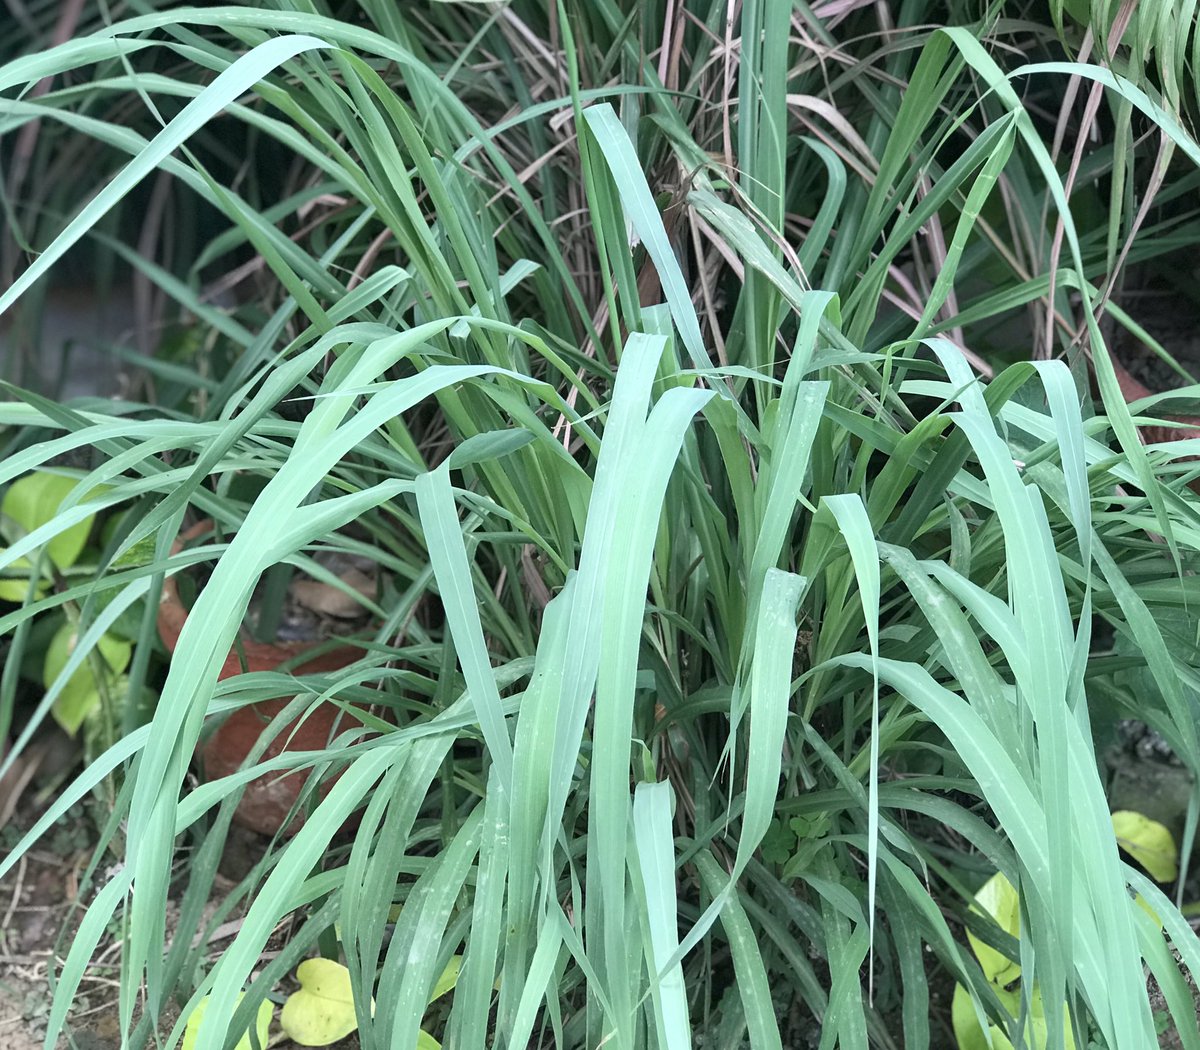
656,863
855,525
448,556
751,974
229,84
623,610
642,212
468,1025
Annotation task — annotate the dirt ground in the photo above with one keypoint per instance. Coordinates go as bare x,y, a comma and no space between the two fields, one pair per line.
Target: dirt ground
36,901
35,905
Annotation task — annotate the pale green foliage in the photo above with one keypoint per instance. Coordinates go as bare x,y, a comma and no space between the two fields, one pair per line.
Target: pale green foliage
745,554
1148,842
262,1027
79,693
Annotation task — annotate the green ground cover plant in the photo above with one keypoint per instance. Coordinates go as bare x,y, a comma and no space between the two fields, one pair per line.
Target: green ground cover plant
713,384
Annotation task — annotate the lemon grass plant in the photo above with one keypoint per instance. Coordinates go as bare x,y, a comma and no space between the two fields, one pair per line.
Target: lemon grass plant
750,601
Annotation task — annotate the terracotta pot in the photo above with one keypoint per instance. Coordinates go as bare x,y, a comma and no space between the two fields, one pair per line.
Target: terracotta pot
267,801
1134,390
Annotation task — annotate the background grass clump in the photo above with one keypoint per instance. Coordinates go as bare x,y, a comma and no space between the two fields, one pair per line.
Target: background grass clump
725,392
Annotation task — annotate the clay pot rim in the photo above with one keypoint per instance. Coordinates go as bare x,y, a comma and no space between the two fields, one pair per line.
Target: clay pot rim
1133,390
172,616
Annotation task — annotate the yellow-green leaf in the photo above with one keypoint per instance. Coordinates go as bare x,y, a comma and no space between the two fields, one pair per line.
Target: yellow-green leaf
999,899
81,693
969,1035
322,1011
141,553
448,979
34,500
1142,903
426,1042
14,588
1149,843
262,1026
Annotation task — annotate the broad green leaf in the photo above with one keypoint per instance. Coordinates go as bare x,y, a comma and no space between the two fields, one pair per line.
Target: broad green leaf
81,692
970,1036
15,588
449,978
322,1010
33,501
967,1031
998,898
141,553
262,1026
1148,842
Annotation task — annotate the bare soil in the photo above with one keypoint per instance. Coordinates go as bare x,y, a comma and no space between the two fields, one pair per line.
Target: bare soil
37,905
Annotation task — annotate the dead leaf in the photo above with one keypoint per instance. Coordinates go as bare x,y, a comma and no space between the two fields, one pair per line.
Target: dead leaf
327,600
